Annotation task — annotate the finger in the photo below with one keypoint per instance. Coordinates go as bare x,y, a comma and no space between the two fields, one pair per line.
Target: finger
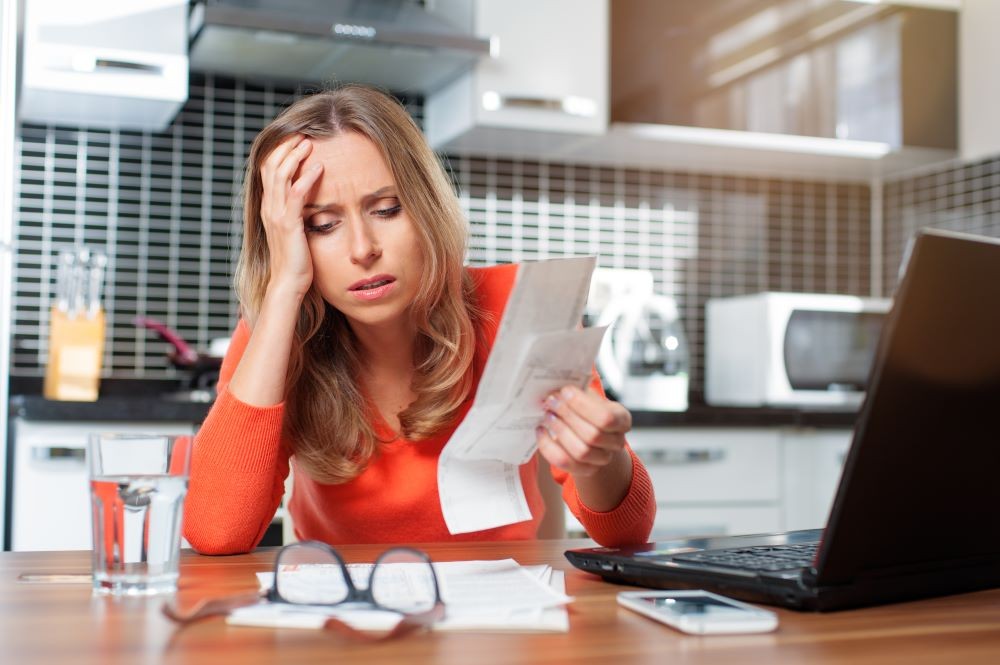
556,455
571,403
277,202
278,155
282,176
583,428
304,183
578,449
551,450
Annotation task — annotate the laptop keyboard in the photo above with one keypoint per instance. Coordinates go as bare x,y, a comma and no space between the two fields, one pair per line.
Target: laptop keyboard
761,557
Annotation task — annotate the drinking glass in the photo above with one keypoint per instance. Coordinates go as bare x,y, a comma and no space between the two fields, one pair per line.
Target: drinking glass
137,488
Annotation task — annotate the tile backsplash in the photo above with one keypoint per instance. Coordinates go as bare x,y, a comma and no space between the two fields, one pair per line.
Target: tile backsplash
954,196
162,206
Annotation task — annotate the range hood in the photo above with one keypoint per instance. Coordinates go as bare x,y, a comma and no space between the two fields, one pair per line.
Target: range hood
398,44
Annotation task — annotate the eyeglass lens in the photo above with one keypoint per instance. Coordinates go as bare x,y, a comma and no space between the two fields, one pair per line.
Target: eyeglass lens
310,575
404,581
401,580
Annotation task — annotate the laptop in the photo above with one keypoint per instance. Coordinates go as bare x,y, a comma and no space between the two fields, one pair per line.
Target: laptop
915,514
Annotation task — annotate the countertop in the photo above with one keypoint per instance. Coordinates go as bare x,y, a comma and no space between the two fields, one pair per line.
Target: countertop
128,400
151,400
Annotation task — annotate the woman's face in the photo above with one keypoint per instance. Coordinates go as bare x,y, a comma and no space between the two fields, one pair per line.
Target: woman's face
365,249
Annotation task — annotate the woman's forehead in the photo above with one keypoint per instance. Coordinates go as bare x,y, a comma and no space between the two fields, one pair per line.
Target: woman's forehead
352,164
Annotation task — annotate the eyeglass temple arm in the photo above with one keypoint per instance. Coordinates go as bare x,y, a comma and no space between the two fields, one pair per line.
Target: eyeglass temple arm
210,607
408,624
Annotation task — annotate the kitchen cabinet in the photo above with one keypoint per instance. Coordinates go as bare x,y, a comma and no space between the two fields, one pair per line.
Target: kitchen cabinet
627,58
711,480
979,89
546,84
737,480
812,462
50,499
843,70
108,63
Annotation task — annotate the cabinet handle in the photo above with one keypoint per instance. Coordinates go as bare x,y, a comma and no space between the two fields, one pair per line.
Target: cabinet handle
570,105
86,64
681,457
58,453
128,66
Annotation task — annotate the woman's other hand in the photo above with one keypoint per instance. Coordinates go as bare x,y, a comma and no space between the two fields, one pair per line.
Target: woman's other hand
282,214
583,433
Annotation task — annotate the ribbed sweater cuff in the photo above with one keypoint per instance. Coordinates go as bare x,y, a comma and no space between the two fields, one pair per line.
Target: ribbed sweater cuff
634,509
244,437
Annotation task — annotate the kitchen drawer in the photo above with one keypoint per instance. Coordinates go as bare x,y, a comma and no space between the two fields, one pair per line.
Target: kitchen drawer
714,465
674,522
50,506
813,461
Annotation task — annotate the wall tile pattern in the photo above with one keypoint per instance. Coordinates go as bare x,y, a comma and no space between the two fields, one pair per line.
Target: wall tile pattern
162,204
954,196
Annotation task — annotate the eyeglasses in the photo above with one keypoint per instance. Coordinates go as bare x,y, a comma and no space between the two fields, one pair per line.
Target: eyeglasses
402,580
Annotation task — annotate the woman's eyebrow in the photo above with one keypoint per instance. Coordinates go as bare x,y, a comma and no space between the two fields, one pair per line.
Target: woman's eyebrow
381,192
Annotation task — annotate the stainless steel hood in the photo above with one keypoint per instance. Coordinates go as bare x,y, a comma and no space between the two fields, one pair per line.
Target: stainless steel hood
398,44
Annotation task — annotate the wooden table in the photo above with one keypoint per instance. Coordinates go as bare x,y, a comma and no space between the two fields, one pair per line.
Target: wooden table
64,623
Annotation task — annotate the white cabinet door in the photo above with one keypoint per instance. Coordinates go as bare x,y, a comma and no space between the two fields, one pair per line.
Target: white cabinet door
710,465
51,497
709,480
104,63
550,74
674,521
812,463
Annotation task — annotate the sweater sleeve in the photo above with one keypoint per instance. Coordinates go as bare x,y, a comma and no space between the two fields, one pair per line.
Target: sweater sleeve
631,521
238,468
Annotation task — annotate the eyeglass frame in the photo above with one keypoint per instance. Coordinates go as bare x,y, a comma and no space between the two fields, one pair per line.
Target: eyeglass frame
354,594
409,622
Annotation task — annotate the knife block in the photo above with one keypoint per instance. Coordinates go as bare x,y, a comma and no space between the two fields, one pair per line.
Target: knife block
76,350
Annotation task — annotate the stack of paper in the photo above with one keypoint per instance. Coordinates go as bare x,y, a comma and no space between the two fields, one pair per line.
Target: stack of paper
478,595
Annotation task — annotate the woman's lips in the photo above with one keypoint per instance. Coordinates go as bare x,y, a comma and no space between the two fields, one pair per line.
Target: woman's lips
373,288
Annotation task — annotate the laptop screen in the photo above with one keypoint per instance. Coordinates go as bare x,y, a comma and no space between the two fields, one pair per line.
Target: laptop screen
921,485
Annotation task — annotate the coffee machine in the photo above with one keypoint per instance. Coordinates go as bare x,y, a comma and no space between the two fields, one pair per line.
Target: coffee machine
644,358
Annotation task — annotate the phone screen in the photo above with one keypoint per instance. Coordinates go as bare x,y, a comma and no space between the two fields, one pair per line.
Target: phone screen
701,606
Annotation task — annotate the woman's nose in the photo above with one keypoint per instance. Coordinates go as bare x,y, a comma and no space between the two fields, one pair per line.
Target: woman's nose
364,243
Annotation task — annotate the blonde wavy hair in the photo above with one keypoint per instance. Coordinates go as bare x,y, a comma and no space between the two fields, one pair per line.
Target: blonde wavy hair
328,422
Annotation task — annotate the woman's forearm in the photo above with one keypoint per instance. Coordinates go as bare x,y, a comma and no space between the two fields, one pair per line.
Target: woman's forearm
259,379
604,490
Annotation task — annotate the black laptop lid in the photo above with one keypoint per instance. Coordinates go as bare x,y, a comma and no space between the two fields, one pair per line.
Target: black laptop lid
921,485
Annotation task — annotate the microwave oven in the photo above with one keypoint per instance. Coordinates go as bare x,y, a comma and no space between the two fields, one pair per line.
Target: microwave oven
798,350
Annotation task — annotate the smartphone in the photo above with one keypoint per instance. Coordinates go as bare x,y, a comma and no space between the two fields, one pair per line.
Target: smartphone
699,612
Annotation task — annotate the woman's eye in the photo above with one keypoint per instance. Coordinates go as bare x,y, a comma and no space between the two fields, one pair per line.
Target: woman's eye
391,211
319,226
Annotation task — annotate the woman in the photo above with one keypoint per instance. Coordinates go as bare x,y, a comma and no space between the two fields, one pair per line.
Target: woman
360,347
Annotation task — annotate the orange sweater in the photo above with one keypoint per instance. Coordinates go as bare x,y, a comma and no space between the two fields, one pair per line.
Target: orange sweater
239,465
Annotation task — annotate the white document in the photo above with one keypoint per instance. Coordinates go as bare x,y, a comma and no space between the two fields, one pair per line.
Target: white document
538,349
478,595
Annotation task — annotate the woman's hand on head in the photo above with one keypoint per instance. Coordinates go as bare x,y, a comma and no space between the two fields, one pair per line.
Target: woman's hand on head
582,432
281,212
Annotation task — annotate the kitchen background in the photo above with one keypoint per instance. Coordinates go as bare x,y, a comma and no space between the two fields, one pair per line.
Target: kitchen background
788,197
162,204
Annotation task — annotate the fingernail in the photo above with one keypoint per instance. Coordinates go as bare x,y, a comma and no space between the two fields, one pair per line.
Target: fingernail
316,167
567,393
550,417
539,430
551,402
